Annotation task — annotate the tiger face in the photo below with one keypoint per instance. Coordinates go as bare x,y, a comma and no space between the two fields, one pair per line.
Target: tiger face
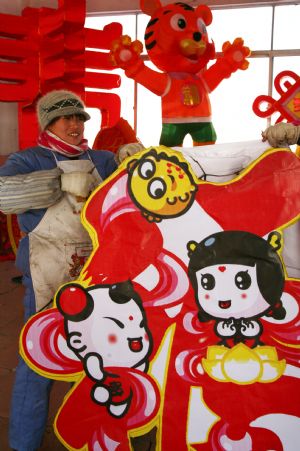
160,185
176,36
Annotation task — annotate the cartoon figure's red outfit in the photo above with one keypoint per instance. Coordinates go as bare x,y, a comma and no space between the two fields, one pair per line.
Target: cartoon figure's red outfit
185,99
118,389
94,425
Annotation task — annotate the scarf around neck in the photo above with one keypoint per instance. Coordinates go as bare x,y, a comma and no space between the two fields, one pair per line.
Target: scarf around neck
51,141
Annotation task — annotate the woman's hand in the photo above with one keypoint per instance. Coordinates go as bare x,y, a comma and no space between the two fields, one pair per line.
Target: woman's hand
282,134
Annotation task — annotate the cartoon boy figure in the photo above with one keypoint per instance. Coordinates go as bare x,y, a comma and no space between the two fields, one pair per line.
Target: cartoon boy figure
237,278
106,327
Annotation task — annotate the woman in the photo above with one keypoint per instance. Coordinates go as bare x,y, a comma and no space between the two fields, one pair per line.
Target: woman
46,186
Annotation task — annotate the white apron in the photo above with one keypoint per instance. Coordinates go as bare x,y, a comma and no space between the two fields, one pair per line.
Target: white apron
59,245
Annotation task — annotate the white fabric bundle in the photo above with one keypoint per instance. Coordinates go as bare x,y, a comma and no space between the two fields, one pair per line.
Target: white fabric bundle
39,189
222,162
78,183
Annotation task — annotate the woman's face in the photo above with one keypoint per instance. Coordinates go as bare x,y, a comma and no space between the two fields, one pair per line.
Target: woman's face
68,128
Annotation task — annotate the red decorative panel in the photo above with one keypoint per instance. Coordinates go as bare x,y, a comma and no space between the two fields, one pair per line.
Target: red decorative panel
46,49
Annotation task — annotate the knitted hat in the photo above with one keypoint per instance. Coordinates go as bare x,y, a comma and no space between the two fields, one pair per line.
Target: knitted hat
59,103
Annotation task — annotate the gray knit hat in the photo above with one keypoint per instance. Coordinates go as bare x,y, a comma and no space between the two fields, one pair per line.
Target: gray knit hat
59,103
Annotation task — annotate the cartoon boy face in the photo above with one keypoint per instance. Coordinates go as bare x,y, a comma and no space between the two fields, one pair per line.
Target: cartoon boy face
230,291
115,331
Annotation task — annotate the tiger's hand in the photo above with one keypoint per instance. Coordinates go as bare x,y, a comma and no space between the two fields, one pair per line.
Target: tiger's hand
125,53
236,54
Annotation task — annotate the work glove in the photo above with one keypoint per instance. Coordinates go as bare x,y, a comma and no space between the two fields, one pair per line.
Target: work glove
282,134
127,150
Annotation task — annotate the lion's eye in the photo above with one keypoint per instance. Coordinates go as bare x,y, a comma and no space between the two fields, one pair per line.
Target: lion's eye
157,188
147,169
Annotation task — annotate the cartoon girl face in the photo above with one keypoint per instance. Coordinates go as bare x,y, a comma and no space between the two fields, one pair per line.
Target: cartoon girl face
230,291
237,274
116,332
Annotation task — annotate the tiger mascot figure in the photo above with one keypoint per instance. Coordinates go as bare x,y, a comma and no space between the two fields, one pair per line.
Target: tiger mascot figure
177,43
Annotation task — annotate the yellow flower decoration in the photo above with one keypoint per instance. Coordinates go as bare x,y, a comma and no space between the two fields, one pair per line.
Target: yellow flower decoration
242,365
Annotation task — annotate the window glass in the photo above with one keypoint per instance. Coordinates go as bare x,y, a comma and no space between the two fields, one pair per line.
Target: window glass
286,27
126,20
251,24
291,63
142,22
149,115
126,89
126,94
287,63
232,114
92,127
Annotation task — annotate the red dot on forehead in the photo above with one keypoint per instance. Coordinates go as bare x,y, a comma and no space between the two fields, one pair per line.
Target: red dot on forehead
222,268
130,318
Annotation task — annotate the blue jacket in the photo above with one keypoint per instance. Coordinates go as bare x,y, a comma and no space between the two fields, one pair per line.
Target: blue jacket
39,158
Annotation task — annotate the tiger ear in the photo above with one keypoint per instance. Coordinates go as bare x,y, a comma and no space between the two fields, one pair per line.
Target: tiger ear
275,240
205,13
150,6
191,247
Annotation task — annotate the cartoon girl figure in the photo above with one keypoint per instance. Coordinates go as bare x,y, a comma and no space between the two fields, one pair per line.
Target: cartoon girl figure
237,278
106,328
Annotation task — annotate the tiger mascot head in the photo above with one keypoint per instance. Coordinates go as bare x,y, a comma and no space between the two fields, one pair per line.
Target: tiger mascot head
176,36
